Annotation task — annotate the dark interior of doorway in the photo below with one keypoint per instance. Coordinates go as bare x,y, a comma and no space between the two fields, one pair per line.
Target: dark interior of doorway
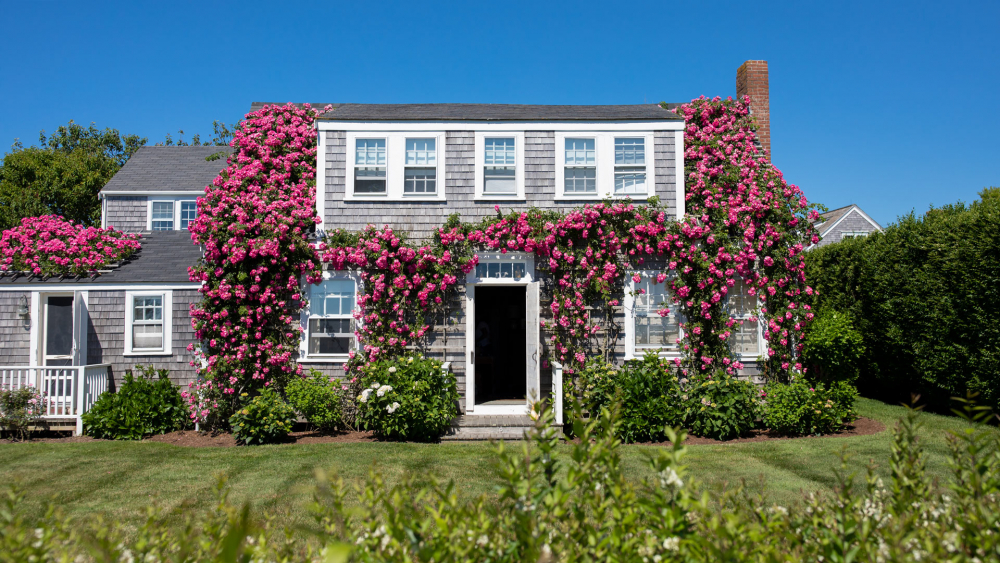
500,345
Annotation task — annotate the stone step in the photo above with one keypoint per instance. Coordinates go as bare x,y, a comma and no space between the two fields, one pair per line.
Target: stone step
489,427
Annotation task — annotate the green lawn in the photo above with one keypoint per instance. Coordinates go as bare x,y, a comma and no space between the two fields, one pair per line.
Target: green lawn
121,478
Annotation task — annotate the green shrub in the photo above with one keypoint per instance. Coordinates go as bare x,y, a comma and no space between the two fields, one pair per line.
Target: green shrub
721,407
647,391
924,298
144,405
799,408
407,399
265,419
318,399
833,348
19,410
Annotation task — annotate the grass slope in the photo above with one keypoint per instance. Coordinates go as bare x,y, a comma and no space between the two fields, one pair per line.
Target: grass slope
121,478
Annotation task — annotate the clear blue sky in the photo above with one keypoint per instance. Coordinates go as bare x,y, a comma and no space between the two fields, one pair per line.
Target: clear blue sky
892,107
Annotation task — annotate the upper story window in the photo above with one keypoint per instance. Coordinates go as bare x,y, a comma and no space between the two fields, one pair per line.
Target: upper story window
655,322
420,176
148,323
331,322
395,166
370,166
500,166
171,214
603,164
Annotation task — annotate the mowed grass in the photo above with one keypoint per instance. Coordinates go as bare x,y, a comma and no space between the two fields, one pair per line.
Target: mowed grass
120,479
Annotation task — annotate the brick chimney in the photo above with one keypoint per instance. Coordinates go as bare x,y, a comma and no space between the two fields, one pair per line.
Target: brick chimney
751,80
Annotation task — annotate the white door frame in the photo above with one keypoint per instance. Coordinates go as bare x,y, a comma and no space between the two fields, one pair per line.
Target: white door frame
533,343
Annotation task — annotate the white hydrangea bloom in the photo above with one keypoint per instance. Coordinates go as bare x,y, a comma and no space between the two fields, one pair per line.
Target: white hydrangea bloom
383,390
392,408
392,369
363,397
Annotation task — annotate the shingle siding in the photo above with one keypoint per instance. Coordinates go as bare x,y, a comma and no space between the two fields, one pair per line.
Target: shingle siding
126,212
106,336
15,331
421,218
852,222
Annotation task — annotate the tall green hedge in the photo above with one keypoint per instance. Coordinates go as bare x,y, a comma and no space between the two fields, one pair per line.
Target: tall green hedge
925,296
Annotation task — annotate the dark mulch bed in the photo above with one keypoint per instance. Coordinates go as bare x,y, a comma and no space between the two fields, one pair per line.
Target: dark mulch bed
860,427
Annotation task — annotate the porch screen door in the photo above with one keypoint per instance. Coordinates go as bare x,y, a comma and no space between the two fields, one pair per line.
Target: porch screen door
58,340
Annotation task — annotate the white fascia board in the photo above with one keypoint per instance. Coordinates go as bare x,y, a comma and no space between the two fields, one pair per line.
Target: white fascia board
43,287
489,126
194,193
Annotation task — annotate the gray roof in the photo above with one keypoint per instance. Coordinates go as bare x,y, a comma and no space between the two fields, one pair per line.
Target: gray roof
492,112
168,169
163,258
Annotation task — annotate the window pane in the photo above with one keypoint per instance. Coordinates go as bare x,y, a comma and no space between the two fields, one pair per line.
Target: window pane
189,210
630,181
330,336
370,152
499,180
630,151
499,152
420,151
147,308
163,216
741,303
420,181
580,152
369,180
651,329
331,297
581,180
746,339
147,336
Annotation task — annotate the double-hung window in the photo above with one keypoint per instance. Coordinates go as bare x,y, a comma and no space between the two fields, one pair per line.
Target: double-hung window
369,166
189,210
162,216
147,323
743,306
655,322
331,307
630,166
420,174
580,175
500,166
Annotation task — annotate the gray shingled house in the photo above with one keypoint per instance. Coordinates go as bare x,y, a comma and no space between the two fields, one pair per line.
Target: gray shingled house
404,165
844,223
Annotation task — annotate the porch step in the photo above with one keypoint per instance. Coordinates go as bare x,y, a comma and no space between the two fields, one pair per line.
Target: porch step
489,427
54,424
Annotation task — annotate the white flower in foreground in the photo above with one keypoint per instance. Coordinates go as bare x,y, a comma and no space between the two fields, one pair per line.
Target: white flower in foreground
670,479
383,390
672,544
392,369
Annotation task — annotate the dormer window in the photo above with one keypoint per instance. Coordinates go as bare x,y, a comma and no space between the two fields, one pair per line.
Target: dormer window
369,166
163,216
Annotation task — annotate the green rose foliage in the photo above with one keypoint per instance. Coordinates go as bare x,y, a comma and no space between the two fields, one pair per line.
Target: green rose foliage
647,391
721,407
799,408
833,348
265,419
318,399
144,405
408,398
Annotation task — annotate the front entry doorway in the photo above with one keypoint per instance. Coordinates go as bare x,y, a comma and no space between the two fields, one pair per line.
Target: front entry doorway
500,346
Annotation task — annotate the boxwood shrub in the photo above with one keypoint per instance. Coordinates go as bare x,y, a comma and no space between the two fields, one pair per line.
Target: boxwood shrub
800,408
144,405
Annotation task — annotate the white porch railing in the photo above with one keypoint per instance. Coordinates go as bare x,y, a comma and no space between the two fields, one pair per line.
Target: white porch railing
69,391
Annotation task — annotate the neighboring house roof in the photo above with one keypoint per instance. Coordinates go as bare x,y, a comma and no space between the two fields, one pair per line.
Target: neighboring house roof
832,218
164,258
492,112
168,169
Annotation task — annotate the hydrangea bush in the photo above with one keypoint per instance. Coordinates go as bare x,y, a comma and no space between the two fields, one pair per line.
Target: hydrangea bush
51,246
254,222
407,398
263,419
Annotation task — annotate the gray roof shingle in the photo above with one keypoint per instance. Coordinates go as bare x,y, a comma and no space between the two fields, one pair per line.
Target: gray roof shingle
492,112
168,169
164,258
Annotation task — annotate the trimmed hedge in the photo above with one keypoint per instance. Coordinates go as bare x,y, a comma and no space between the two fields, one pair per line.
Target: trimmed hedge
925,296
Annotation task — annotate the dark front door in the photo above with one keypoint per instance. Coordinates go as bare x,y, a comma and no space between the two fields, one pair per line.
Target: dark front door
58,345
500,341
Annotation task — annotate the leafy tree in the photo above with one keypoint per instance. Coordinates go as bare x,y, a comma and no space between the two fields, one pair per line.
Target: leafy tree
222,135
63,174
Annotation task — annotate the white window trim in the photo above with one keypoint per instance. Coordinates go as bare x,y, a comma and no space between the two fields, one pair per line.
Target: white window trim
628,302
480,161
304,315
605,161
175,200
168,325
395,165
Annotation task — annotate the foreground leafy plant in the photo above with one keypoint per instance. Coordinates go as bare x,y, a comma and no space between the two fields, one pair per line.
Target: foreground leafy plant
144,405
